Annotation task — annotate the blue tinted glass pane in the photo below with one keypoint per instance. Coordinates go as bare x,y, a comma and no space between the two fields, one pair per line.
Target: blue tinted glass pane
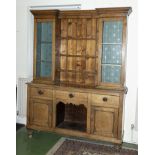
44,49
45,69
111,51
46,32
112,32
46,54
111,54
111,74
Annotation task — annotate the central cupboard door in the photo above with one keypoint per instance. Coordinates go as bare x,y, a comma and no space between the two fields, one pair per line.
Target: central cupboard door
104,121
41,113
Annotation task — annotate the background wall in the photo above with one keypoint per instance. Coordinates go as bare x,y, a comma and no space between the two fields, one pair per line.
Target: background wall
24,31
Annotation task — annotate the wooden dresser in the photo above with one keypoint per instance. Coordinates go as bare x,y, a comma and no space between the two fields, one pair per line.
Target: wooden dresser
78,85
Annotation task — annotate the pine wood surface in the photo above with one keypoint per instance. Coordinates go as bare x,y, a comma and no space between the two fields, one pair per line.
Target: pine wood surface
42,111
75,81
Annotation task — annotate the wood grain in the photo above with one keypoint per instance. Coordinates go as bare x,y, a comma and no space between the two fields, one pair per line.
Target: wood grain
76,76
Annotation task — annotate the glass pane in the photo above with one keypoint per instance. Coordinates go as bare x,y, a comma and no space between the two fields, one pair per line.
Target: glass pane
45,69
111,51
46,53
111,74
111,54
112,32
46,32
44,49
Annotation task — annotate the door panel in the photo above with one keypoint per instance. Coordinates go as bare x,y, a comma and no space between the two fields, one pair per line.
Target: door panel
111,53
104,121
44,49
40,112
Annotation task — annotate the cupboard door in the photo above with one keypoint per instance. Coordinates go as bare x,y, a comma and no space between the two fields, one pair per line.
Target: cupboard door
111,55
44,49
40,112
104,121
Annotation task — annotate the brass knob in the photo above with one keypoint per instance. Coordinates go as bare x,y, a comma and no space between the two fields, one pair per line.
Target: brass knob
40,92
105,99
71,95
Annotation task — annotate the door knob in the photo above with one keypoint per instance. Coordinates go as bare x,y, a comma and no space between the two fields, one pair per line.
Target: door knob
40,92
71,95
105,99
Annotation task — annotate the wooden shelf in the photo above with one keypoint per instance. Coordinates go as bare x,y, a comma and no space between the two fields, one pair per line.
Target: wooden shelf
69,55
73,126
76,38
77,71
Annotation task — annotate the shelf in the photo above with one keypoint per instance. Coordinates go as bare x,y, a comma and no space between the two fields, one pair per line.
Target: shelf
77,71
76,38
87,56
73,126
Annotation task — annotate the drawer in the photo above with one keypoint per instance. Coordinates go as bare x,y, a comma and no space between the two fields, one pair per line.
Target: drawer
41,93
66,95
105,100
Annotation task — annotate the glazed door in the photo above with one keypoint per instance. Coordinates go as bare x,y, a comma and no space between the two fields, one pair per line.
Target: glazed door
112,42
44,49
41,112
104,121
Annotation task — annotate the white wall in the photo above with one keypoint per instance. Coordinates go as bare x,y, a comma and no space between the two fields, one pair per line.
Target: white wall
24,49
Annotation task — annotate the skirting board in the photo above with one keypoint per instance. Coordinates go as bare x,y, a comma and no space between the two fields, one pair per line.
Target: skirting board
21,120
131,137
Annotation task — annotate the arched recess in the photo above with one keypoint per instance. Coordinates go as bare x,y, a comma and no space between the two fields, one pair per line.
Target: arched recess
71,116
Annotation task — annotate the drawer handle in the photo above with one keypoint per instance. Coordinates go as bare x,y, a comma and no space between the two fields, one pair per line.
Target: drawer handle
40,92
105,99
71,95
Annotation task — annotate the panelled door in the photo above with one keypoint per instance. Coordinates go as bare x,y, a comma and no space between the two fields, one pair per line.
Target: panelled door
41,112
104,121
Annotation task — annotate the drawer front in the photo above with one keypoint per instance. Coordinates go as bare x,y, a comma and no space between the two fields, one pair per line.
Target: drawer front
105,100
41,93
66,95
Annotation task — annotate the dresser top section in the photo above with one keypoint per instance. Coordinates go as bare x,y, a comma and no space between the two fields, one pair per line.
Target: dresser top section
116,11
